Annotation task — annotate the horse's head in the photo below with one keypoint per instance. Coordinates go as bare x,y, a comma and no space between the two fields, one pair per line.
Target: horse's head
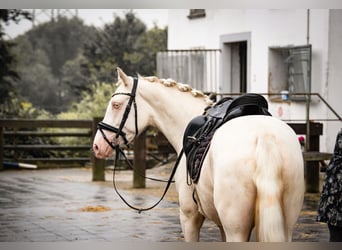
120,124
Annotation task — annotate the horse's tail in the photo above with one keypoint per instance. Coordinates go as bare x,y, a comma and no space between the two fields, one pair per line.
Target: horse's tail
269,217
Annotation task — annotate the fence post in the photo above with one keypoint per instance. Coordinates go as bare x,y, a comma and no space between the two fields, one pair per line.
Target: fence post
1,148
139,162
312,167
98,164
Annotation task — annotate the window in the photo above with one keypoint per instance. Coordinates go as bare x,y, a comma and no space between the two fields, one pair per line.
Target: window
196,13
289,72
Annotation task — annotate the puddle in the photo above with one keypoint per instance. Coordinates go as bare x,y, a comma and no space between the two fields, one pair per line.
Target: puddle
95,209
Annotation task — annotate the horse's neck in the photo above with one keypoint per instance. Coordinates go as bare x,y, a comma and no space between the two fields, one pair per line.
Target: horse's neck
173,122
172,111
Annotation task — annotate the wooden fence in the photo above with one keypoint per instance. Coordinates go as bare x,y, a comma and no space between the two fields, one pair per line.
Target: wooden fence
25,128
312,157
14,128
33,131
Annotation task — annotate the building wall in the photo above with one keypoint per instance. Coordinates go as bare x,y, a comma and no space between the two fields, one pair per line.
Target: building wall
272,28
334,75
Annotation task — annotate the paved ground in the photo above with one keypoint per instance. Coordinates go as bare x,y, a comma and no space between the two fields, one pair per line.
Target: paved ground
65,205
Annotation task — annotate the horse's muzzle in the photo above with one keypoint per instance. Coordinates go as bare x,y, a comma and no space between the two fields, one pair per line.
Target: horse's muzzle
101,148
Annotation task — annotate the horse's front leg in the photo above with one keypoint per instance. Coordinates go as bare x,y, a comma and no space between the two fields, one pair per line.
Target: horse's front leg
191,221
190,218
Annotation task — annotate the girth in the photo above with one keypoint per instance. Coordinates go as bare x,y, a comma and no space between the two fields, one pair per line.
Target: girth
201,129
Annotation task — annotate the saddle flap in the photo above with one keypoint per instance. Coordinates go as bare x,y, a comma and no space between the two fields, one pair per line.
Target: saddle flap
194,125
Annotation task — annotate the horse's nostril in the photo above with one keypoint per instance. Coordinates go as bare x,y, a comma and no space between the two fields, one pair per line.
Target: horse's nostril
95,148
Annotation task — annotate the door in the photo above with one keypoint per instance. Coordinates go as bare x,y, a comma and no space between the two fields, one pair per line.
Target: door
234,67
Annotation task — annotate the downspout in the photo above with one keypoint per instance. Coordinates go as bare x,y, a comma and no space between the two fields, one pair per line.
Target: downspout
308,27
308,97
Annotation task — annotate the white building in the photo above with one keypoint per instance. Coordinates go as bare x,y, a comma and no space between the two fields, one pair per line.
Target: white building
266,51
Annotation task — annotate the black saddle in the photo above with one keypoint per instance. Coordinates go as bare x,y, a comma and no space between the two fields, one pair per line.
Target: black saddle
200,130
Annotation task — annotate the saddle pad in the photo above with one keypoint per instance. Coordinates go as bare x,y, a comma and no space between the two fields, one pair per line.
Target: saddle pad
201,129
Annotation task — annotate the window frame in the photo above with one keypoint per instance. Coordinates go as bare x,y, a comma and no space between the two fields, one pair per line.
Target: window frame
196,13
285,65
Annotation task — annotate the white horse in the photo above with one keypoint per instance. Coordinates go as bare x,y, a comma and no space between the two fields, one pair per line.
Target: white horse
252,176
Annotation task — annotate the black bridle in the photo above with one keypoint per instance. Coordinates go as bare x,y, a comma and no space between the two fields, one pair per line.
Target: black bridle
118,131
104,126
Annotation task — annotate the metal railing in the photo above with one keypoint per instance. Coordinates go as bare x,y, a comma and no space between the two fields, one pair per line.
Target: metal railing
338,117
197,67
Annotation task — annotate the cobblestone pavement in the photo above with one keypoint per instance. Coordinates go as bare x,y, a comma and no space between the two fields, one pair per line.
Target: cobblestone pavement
65,205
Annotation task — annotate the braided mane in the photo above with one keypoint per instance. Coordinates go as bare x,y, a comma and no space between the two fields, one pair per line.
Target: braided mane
180,86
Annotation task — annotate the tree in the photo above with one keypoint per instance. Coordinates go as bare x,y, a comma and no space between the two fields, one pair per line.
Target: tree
75,79
57,61
127,44
145,50
6,70
92,104
37,83
61,40
50,63
7,15
114,42
7,60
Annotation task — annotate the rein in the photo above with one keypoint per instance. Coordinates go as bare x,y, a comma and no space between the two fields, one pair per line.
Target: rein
169,181
118,131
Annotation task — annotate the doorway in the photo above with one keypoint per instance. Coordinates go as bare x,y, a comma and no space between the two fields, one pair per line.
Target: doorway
235,61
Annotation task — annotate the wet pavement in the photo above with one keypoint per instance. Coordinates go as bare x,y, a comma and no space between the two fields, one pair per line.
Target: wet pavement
65,205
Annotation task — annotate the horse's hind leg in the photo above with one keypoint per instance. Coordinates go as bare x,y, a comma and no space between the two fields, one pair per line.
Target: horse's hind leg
238,229
223,234
236,211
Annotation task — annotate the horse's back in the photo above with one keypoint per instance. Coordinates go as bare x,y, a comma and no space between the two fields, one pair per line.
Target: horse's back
241,135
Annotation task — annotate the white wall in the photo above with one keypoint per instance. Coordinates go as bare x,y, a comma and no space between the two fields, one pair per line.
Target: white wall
271,28
184,33
334,79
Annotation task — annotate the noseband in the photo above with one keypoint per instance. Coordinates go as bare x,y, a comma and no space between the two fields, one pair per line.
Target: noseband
118,131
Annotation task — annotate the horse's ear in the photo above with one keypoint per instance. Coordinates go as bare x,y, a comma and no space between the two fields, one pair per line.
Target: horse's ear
122,76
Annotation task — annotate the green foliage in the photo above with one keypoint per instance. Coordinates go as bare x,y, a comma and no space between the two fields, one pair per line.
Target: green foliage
36,82
6,70
59,63
127,44
7,60
50,63
92,104
7,15
114,40
145,50
17,107
75,79
60,39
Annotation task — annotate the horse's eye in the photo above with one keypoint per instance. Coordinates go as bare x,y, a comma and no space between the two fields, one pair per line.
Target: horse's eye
116,105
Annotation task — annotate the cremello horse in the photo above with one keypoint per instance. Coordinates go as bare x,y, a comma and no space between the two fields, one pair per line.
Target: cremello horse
252,176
